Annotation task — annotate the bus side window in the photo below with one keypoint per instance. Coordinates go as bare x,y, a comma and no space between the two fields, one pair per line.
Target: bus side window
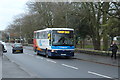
37,35
44,35
41,33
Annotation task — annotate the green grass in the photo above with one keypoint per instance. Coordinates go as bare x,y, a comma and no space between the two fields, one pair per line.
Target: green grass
86,46
95,50
90,48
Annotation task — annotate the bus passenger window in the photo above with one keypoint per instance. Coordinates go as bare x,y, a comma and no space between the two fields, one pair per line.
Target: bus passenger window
37,35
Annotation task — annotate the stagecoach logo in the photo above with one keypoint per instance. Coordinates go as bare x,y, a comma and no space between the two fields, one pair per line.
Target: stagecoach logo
63,47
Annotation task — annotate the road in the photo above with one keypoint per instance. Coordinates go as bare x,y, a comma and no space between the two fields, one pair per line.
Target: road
42,67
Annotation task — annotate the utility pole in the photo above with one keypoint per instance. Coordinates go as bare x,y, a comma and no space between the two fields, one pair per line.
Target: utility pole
0,35
66,15
66,19
20,34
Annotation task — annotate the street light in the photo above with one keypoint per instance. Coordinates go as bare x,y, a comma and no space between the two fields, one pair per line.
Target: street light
20,34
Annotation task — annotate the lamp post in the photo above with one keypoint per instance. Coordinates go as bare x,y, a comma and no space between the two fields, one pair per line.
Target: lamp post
0,35
20,34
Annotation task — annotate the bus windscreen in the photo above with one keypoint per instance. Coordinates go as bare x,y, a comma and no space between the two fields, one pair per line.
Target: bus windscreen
62,38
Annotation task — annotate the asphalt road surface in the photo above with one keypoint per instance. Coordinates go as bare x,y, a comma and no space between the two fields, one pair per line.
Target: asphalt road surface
42,67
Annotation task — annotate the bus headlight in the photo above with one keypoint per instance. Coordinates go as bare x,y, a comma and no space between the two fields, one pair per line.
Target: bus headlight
52,50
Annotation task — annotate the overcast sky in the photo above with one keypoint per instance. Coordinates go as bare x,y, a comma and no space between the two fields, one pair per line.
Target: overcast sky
9,9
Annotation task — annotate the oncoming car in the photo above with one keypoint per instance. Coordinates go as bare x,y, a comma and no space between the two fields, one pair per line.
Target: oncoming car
17,47
4,48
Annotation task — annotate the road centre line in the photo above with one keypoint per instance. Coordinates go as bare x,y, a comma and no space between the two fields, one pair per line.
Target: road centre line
29,54
32,55
99,74
12,61
70,66
39,57
50,61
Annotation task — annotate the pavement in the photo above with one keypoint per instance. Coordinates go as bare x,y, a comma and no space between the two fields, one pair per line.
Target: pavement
12,70
0,65
106,60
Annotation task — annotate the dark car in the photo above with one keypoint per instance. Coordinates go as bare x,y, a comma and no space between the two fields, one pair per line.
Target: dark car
17,47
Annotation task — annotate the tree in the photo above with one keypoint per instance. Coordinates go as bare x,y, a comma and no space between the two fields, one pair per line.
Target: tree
113,27
98,15
87,18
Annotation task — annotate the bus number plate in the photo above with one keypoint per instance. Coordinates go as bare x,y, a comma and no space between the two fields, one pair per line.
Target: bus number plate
63,54
17,50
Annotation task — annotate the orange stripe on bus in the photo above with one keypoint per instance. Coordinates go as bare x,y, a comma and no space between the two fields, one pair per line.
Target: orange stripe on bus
39,49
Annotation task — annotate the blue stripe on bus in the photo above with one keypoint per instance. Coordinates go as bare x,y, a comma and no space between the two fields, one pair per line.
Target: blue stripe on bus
62,47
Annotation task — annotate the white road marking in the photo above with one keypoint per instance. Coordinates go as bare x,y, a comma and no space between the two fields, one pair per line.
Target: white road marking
99,74
12,61
70,66
51,61
39,57
32,55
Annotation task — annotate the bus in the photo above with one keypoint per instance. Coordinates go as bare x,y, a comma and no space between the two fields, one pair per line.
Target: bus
54,42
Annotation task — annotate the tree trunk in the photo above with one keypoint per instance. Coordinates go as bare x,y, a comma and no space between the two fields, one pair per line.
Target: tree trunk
96,44
83,45
105,37
105,42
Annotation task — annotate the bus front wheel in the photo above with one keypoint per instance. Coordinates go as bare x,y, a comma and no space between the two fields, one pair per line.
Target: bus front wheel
46,53
47,56
37,53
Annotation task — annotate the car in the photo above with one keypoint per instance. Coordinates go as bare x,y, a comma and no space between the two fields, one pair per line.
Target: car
4,48
17,47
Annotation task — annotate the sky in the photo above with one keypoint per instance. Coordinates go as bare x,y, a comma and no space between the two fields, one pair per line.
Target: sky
9,9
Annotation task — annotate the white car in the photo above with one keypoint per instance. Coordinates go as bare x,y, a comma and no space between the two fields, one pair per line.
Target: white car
5,48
